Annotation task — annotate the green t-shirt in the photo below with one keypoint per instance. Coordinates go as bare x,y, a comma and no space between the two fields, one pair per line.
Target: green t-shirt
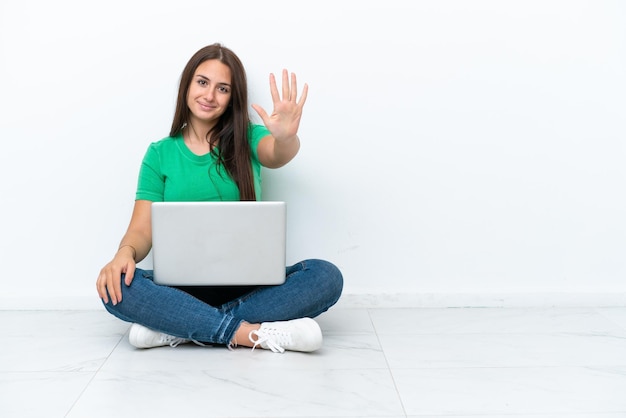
170,172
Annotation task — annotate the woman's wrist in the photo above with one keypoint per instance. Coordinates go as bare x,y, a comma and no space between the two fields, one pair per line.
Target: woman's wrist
131,248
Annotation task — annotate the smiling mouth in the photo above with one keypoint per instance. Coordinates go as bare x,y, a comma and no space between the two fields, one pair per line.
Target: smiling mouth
204,106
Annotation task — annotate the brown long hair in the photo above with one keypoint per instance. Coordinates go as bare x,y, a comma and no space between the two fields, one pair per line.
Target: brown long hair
231,130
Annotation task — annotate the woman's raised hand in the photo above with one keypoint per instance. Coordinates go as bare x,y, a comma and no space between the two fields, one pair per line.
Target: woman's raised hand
284,120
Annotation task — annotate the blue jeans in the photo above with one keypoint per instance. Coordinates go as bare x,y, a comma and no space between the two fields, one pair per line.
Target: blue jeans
310,288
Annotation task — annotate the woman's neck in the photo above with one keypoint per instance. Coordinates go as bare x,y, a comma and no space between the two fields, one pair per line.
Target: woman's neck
196,138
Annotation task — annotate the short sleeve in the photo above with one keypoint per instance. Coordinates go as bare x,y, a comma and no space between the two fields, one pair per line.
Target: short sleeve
255,134
151,182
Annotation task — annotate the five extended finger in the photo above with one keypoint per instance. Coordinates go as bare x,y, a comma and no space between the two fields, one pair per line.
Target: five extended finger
305,91
261,112
286,92
274,89
289,88
294,88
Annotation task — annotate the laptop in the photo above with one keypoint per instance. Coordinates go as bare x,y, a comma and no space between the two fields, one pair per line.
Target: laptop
218,243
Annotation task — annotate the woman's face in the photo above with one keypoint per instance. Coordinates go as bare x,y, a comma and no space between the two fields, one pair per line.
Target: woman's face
209,92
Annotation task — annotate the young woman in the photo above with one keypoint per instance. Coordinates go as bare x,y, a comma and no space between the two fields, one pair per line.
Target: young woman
214,152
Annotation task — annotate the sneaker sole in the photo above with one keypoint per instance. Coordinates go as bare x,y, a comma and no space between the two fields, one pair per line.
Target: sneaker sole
136,335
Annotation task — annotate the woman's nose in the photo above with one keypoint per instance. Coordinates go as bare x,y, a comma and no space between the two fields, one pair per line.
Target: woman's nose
209,94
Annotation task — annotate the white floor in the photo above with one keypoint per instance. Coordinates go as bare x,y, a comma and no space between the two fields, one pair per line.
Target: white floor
488,362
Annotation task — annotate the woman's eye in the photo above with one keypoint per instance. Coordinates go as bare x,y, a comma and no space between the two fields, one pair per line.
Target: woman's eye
202,82
223,89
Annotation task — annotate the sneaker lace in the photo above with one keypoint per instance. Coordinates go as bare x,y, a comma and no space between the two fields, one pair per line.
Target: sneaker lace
171,340
274,339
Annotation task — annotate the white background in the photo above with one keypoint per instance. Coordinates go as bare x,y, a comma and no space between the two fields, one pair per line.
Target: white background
453,152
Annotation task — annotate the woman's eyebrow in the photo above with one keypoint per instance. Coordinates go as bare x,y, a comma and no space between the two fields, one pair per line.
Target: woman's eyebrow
208,79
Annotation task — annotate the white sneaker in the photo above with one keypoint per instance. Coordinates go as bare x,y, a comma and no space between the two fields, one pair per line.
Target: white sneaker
302,334
142,337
